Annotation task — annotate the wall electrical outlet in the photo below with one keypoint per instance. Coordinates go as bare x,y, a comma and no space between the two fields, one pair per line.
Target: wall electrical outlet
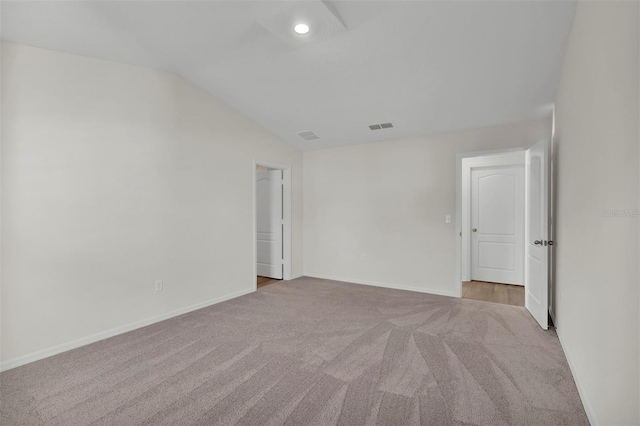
159,285
363,256
447,219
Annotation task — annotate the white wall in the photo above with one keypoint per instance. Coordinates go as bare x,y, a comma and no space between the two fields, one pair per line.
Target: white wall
597,143
1,115
114,176
388,201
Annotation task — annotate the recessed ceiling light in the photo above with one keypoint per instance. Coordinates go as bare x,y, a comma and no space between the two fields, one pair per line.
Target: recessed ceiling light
301,28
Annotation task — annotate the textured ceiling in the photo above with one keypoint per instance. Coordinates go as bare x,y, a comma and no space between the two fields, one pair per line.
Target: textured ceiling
426,66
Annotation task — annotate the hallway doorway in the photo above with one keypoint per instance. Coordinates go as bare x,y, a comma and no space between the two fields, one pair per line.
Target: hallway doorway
271,222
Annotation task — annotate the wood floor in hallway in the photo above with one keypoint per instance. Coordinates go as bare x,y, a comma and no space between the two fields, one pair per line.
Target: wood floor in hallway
506,294
263,281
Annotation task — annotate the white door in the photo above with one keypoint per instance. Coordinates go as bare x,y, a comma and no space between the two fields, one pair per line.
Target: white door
497,224
537,231
269,223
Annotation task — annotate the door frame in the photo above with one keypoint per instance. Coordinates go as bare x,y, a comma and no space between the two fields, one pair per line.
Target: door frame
464,163
286,217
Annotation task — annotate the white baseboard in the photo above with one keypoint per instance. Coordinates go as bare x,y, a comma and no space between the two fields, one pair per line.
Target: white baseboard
385,285
581,391
54,350
293,277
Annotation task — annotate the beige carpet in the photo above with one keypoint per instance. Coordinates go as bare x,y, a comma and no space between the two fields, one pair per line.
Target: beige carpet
309,352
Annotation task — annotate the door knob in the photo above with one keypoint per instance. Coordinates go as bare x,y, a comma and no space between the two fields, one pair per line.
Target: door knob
475,229
537,242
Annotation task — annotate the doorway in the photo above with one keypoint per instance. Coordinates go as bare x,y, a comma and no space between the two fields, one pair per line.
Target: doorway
272,223
493,249
532,251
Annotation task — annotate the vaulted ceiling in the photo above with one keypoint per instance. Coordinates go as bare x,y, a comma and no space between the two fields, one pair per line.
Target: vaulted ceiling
425,66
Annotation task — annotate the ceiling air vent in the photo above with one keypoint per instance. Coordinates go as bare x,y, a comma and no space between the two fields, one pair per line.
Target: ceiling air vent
308,136
380,126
